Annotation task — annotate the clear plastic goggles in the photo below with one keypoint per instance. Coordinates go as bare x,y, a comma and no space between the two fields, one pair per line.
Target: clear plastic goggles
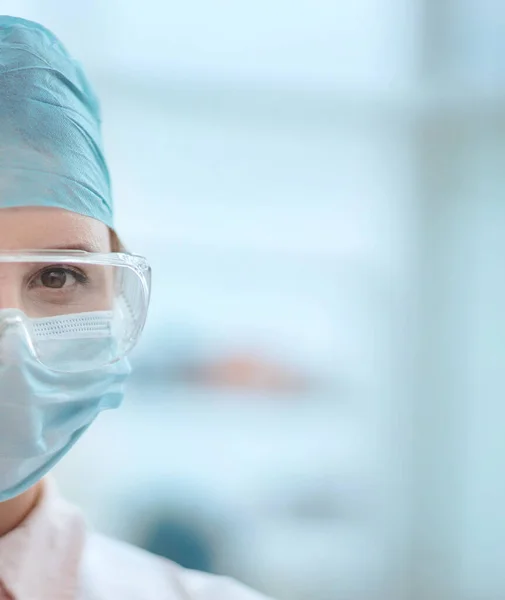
80,310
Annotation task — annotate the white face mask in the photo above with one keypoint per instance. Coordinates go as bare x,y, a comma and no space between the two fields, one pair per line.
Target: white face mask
44,412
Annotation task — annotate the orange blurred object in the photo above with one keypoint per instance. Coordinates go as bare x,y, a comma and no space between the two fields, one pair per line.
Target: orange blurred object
244,370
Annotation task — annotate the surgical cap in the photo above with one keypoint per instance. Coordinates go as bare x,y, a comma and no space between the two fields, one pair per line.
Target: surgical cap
51,150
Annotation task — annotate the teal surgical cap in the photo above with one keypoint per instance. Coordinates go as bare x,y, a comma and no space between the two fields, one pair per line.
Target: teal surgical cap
50,140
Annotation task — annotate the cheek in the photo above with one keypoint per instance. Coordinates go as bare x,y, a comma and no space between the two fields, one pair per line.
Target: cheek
104,296
99,294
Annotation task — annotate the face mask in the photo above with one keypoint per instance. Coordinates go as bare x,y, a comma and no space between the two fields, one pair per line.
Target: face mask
44,412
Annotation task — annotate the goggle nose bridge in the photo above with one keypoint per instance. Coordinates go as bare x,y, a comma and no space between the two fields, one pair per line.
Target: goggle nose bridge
12,321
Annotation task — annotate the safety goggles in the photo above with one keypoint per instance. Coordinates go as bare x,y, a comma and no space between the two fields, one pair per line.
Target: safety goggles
80,310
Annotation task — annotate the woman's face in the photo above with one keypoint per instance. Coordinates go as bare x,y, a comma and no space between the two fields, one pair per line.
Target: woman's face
45,290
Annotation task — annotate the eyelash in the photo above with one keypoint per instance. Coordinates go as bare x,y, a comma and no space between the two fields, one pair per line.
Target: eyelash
80,277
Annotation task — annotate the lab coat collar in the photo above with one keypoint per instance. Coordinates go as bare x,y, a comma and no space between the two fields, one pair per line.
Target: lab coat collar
41,557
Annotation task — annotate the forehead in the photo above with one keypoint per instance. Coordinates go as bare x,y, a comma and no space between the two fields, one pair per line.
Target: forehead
44,228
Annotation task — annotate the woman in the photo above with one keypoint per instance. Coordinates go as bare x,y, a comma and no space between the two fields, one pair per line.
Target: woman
72,306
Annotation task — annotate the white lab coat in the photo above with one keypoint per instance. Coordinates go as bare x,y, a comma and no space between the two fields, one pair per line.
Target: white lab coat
113,570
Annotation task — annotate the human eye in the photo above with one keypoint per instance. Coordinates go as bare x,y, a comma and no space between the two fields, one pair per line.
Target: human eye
58,277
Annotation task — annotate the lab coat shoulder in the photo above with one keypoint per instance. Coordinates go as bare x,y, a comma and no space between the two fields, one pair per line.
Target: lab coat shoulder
115,570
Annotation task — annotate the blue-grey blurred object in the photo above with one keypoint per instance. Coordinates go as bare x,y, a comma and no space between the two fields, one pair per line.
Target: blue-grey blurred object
50,141
180,540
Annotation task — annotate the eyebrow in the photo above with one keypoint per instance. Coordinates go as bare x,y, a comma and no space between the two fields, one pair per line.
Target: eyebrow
83,247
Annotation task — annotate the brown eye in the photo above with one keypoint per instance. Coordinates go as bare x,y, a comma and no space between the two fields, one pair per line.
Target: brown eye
58,278
54,279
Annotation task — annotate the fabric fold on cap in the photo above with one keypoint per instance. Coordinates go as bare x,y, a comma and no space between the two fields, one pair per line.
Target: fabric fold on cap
51,151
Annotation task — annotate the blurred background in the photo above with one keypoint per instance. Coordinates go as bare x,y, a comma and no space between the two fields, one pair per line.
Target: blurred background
317,406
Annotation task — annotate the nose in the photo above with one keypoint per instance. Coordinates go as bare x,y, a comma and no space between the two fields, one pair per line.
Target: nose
10,290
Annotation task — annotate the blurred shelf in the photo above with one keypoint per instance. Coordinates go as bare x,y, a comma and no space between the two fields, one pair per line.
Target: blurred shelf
307,106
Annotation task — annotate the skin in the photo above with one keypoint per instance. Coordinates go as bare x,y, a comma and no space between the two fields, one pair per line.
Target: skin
40,228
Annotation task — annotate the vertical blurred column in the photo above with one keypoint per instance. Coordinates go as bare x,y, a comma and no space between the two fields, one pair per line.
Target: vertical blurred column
481,542
458,539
